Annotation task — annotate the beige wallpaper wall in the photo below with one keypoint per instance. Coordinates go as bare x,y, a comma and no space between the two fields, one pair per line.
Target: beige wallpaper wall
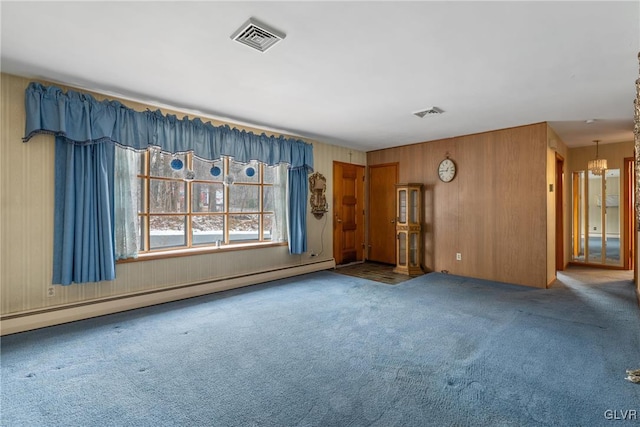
26,221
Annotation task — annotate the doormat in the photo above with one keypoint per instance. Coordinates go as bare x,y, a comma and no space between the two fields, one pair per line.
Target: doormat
373,271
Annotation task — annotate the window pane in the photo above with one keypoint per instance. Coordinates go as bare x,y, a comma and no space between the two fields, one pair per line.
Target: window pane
140,194
244,227
167,196
207,197
207,229
244,198
167,231
208,170
267,226
141,233
245,173
269,174
268,201
167,165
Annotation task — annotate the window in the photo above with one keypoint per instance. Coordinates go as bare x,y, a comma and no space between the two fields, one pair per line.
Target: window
185,202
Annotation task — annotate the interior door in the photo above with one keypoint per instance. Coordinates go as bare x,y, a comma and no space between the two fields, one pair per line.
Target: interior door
559,213
382,213
348,211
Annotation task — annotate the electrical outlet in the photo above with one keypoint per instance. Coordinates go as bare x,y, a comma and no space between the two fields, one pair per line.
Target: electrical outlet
51,291
458,256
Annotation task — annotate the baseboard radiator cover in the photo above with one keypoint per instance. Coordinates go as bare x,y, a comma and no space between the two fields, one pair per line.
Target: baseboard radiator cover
21,322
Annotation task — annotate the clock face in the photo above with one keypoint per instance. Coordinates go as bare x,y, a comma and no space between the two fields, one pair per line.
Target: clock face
447,170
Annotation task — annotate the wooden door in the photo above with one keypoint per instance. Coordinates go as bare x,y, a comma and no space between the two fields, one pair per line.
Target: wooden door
382,213
348,212
559,213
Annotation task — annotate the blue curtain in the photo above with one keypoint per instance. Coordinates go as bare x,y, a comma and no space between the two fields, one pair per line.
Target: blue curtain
82,122
83,219
298,189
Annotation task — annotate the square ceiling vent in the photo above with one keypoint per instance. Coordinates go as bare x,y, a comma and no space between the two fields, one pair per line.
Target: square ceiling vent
429,112
257,35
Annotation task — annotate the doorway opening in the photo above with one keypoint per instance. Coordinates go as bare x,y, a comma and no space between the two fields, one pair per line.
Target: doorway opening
601,230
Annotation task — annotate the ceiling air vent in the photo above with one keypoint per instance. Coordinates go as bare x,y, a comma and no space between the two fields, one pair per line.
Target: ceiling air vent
257,35
429,112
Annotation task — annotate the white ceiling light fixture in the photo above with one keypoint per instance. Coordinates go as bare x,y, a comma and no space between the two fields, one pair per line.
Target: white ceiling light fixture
257,35
429,112
597,166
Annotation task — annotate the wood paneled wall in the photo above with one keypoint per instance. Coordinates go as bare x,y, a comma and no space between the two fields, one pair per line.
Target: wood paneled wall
26,224
494,212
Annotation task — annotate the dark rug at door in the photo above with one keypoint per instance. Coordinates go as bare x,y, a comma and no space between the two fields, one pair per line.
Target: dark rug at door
373,271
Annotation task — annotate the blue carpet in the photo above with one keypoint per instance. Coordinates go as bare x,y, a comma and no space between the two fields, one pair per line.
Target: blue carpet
612,248
331,350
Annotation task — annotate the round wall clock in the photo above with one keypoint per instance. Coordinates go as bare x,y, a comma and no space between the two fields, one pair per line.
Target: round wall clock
447,170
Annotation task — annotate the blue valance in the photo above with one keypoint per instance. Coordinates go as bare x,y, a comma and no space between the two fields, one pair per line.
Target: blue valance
81,119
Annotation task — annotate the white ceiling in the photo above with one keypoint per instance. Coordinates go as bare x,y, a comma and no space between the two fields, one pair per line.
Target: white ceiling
348,73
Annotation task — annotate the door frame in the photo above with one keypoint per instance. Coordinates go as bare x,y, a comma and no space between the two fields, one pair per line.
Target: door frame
629,218
628,239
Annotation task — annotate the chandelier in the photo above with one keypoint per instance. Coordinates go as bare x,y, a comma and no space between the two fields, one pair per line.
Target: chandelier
597,166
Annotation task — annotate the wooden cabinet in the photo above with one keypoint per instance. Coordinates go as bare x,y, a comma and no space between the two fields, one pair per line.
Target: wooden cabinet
408,229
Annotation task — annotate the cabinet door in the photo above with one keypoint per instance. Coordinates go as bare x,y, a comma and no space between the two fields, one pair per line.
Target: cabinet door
414,201
402,249
414,250
402,206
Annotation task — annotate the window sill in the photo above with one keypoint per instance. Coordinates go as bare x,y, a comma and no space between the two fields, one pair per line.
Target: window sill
175,253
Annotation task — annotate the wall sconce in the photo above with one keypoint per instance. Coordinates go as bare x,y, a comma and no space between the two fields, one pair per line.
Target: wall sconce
318,201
